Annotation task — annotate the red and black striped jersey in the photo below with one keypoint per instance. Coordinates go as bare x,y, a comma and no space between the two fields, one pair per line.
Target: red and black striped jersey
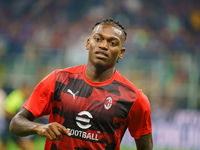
97,114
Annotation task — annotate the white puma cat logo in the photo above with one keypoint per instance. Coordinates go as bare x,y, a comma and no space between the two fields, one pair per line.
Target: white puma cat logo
70,91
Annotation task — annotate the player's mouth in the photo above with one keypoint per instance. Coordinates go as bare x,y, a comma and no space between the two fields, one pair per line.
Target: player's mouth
101,54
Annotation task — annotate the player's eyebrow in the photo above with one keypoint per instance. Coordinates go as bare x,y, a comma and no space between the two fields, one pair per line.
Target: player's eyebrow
110,38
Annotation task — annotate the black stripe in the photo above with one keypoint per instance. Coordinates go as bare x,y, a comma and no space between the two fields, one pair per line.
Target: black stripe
122,108
75,85
56,110
53,146
110,146
58,90
123,133
111,88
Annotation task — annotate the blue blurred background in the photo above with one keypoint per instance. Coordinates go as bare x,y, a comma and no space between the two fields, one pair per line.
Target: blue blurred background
162,53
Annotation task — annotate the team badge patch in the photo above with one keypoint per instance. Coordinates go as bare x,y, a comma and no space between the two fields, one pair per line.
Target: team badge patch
108,103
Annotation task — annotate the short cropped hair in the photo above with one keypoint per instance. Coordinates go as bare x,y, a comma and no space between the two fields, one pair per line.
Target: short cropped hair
115,23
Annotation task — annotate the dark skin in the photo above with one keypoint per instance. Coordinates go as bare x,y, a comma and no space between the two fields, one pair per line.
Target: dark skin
105,47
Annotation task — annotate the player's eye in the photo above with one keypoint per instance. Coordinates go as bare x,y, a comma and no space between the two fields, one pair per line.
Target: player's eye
97,39
113,44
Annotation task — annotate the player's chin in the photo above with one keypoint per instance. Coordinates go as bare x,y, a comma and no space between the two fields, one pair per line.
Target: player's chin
99,65
104,65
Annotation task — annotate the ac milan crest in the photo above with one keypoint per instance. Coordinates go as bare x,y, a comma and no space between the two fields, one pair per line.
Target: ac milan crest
108,103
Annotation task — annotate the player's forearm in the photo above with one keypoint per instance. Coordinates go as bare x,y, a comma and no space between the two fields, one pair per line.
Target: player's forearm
21,126
145,146
145,142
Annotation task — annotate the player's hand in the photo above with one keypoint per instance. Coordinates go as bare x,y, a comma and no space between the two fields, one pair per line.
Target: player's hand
52,131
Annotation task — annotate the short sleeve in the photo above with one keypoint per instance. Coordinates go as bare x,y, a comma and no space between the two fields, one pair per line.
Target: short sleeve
40,101
139,119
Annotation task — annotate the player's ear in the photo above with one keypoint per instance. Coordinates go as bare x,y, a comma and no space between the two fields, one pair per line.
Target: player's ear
87,44
122,52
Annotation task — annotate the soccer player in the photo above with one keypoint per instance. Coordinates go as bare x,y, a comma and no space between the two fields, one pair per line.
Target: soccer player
91,105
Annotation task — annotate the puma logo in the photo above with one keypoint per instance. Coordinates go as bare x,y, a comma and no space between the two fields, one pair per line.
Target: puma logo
73,94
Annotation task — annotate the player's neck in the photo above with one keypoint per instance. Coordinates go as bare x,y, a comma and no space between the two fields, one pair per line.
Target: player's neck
95,74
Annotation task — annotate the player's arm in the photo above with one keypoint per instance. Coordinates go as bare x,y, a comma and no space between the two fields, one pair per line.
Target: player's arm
145,142
22,125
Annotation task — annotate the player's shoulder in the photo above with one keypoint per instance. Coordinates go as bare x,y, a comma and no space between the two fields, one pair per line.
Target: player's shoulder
74,69
120,78
61,74
140,94
143,98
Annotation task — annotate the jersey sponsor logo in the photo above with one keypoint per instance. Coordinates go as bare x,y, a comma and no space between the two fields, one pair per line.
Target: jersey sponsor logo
84,135
83,119
70,92
108,103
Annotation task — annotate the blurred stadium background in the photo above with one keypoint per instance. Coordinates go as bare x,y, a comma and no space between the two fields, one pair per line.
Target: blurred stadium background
162,54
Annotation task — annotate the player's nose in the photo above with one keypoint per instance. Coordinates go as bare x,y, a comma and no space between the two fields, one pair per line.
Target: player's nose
104,45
